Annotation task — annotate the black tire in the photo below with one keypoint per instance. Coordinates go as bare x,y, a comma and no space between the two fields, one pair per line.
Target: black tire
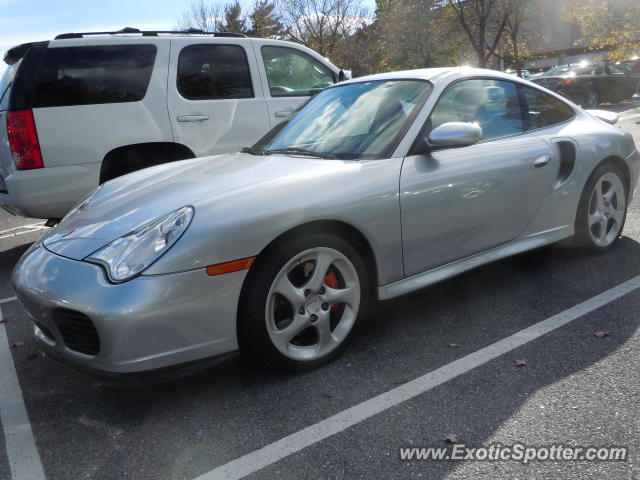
592,99
583,237
588,99
253,336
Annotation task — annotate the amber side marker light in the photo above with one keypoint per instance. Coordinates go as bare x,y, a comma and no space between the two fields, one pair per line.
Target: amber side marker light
228,267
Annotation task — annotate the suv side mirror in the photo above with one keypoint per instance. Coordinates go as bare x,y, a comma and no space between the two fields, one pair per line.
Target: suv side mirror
454,134
344,75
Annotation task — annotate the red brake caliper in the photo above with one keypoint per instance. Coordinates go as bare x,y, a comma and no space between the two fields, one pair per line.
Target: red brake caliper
331,281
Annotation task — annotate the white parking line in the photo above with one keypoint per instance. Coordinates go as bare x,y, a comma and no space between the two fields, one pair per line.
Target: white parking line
24,230
295,442
22,453
7,300
31,227
629,117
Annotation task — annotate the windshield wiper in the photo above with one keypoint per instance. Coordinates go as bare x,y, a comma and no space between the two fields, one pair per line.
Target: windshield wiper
251,150
300,151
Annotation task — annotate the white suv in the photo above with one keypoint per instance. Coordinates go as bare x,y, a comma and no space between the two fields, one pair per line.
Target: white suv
85,108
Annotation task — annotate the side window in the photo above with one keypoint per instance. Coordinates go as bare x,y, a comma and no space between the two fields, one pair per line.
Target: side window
292,73
598,69
492,104
614,70
544,110
94,75
208,72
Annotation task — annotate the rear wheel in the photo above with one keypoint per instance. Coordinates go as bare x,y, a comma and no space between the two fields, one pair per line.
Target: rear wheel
303,301
587,99
602,209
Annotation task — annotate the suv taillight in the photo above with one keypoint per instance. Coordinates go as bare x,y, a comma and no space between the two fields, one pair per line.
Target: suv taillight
23,140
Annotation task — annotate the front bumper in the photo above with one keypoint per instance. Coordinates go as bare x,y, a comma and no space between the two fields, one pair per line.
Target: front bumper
148,323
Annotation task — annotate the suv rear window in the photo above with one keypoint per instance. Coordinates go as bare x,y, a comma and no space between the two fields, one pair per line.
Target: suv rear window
94,75
5,85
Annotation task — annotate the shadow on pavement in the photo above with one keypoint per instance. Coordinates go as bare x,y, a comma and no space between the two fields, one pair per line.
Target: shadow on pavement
188,426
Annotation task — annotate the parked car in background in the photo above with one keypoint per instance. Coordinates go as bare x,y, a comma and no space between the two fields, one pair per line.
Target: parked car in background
636,97
526,74
589,85
632,66
375,188
85,108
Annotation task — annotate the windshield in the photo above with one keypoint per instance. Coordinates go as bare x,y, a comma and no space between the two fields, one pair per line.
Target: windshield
359,120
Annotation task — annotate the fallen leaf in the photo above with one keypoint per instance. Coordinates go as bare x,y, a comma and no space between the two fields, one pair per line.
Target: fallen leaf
455,345
32,356
601,334
3,320
451,438
520,363
16,345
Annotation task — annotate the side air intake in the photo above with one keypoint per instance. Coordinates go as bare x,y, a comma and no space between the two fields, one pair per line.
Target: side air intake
567,160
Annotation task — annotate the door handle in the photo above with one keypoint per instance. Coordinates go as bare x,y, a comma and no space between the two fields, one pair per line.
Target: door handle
541,162
196,117
283,113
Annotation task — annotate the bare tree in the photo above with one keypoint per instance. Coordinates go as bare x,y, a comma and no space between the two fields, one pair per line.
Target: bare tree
233,20
320,24
484,22
515,36
418,33
264,21
208,17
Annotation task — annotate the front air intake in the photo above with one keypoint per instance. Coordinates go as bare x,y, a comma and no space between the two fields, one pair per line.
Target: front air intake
77,330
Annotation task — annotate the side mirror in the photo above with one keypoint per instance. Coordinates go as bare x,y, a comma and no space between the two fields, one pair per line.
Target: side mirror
454,134
344,75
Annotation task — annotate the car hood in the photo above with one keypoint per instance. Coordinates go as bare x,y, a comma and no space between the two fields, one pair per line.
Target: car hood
127,202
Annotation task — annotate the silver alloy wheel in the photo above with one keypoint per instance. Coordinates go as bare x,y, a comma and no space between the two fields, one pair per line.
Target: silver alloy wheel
307,318
606,209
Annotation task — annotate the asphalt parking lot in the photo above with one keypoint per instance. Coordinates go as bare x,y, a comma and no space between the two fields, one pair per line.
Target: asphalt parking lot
574,388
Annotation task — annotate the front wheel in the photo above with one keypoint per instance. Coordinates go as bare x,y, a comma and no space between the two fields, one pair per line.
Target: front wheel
302,302
602,209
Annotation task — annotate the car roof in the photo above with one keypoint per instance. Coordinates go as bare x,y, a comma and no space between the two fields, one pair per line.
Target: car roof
436,74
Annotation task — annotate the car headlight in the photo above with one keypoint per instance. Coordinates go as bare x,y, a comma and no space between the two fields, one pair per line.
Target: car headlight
131,254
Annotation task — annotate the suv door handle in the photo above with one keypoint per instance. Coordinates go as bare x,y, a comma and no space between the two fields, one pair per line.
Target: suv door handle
283,113
196,117
541,162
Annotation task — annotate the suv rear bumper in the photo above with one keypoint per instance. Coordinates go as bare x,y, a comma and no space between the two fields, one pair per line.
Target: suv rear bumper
47,192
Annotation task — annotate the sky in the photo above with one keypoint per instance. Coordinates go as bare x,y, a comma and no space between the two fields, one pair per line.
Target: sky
32,20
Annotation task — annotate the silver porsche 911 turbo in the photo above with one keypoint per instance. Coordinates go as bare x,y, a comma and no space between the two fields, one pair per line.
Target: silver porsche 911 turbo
376,187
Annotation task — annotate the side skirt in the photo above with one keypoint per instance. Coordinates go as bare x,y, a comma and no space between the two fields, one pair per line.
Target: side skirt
443,272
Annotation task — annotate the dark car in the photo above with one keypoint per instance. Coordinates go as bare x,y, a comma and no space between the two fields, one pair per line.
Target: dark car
592,84
632,66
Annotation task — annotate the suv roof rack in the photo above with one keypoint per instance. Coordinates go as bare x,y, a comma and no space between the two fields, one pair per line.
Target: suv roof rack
150,33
